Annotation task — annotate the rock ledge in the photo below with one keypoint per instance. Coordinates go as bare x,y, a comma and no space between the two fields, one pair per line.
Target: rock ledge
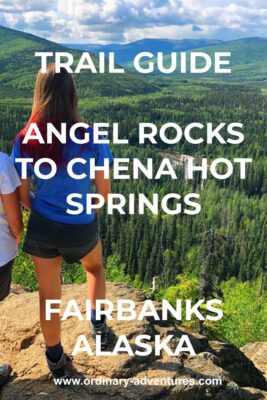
22,346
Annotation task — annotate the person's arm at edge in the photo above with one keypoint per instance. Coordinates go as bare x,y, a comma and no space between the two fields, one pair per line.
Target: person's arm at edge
25,193
13,212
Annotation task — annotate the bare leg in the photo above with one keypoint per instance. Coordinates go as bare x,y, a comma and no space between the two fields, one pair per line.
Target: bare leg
48,275
96,284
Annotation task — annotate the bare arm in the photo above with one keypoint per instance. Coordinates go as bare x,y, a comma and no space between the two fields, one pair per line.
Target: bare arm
25,193
102,185
12,208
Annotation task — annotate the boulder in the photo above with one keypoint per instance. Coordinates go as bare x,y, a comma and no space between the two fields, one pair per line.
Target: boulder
241,369
257,352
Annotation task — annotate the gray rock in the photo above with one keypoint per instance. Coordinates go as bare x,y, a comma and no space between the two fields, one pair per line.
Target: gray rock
241,369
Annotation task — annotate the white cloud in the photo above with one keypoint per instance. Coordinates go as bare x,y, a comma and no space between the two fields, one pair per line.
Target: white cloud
123,20
16,6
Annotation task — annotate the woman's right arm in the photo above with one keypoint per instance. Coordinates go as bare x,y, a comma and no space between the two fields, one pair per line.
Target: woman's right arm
25,193
102,185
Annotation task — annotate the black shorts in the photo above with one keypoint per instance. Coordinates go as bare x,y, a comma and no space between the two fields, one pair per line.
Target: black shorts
5,279
49,239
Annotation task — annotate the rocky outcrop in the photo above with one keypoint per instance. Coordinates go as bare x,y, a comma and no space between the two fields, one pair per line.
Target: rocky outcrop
257,352
240,368
179,377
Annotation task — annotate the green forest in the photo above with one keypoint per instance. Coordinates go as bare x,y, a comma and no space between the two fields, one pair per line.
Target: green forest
220,252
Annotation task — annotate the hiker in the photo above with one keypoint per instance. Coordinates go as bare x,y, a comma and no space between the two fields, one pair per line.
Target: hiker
53,235
10,232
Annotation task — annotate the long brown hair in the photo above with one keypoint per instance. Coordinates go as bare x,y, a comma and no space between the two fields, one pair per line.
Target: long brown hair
55,101
55,96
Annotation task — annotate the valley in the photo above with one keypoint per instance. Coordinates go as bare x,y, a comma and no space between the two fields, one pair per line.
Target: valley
138,248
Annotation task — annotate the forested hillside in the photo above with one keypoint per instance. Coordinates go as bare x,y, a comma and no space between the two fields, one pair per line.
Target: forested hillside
234,207
18,68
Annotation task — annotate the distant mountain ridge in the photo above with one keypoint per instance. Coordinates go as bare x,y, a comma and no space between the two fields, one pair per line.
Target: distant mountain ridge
126,52
248,59
19,66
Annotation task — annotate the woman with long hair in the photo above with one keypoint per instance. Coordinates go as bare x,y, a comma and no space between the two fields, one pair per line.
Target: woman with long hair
53,235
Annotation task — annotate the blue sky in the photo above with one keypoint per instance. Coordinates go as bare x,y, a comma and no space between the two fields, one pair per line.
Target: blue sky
105,21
